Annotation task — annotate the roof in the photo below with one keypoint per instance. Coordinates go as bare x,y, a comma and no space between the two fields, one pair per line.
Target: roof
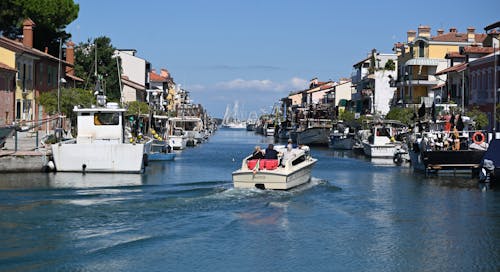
477,50
75,78
6,67
132,84
458,37
423,62
450,55
154,77
439,86
457,68
19,47
362,61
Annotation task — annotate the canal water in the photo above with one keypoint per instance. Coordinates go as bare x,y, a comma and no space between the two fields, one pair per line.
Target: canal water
355,215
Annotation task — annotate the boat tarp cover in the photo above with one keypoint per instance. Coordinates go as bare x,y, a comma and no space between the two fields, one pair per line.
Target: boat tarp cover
493,152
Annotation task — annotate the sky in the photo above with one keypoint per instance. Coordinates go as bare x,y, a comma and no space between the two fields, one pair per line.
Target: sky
256,52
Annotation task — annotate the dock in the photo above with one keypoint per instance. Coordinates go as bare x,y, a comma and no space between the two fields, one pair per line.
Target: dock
24,153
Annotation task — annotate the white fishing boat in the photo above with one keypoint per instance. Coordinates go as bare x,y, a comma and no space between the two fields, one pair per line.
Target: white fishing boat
101,144
381,143
268,174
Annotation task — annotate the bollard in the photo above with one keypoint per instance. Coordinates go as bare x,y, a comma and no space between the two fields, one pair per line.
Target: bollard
15,140
36,140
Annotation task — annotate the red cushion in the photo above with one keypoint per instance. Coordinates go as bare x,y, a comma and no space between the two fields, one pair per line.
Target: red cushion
271,164
251,164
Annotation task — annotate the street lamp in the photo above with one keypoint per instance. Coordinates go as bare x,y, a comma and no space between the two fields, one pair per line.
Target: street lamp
494,35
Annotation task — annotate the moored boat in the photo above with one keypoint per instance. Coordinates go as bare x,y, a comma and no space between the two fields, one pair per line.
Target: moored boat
100,145
268,174
160,151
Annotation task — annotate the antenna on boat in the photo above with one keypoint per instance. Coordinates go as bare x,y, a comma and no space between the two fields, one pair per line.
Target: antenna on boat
99,94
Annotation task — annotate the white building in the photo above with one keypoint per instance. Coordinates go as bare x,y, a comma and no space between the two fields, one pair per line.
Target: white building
135,75
371,78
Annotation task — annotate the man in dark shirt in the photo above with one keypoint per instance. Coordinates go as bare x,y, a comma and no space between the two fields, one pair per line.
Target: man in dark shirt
271,153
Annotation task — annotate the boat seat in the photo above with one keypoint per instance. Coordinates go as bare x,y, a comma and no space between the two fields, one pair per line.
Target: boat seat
271,164
251,164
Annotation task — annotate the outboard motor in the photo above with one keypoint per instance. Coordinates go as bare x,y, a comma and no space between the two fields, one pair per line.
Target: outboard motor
487,171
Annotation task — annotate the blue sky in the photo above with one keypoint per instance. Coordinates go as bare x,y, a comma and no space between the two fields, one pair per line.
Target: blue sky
256,52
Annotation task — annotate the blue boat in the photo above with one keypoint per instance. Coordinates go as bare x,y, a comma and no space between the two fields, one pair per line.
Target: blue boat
160,151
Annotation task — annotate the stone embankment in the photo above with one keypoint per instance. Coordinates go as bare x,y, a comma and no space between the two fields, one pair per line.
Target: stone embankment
26,155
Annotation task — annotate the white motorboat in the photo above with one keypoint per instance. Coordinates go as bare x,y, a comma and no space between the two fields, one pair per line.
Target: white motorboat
381,143
268,174
100,145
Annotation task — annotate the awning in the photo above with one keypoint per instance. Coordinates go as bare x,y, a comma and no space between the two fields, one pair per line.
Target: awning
422,62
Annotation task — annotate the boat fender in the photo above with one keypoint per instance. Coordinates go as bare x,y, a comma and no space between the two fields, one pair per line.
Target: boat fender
478,138
145,159
84,167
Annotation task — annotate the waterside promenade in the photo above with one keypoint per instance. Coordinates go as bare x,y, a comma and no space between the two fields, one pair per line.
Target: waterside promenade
25,156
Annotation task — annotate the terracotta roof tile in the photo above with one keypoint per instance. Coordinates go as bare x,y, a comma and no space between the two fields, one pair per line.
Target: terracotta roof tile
477,50
19,46
458,37
450,55
456,68
154,77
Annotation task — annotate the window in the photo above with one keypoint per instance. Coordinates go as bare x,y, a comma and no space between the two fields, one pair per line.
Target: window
40,73
106,118
421,49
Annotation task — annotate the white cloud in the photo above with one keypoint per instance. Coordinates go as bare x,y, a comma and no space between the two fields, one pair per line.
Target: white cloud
262,85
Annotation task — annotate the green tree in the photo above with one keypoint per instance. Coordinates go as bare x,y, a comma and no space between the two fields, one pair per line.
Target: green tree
50,16
403,115
85,55
69,98
479,117
137,107
390,65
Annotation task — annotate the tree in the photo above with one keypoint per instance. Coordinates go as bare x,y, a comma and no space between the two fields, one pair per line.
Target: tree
137,107
68,99
85,55
403,115
390,65
50,16
480,118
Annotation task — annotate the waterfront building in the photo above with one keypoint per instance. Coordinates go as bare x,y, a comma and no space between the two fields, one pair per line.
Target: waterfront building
371,79
134,75
161,86
421,57
7,86
37,72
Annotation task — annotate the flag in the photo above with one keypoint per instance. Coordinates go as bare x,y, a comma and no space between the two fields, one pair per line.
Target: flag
256,168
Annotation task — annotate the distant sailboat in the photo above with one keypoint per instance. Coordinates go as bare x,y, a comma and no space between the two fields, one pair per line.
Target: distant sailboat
231,118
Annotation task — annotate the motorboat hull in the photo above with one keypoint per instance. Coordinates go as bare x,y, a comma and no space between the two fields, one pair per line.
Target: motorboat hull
278,179
177,142
112,157
446,159
161,156
342,142
379,151
314,136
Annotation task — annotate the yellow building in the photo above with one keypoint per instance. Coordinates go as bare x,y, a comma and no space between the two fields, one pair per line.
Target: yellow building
7,86
422,56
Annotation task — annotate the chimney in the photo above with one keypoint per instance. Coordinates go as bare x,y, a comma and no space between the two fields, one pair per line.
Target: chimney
440,31
164,73
28,25
424,31
70,57
411,35
471,36
453,30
